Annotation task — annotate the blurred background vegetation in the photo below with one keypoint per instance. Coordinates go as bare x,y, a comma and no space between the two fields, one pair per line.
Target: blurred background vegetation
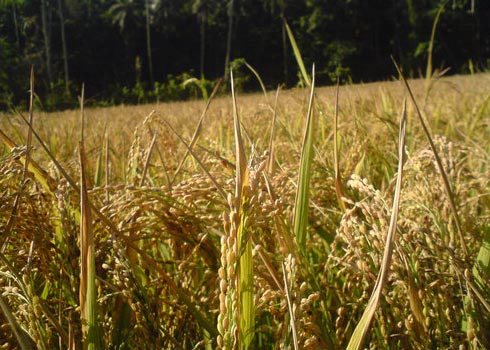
136,51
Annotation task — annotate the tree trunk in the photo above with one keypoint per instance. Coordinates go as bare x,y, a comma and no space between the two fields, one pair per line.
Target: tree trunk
148,44
63,44
284,51
231,6
16,25
47,49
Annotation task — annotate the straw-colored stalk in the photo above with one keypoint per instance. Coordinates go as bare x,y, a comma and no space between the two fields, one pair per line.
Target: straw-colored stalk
339,190
428,72
88,294
364,323
445,181
270,162
237,310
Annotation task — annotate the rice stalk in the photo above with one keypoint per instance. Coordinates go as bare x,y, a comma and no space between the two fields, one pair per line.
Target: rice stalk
82,114
447,186
87,291
259,79
241,161
88,294
245,286
245,278
302,201
363,325
270,165
236,320
98,169
416,305
339,190
429,73
106,162
297,55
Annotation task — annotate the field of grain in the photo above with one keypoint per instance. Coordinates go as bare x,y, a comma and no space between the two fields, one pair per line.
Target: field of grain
175,227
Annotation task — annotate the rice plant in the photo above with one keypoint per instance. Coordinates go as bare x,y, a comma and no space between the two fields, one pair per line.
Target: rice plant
236,223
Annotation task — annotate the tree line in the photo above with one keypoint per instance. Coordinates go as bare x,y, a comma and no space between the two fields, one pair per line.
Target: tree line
138,50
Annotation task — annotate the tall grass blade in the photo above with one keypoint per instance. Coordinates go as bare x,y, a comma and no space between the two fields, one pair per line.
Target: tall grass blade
270,161
245,282
339,190
428,72
98,170
23,339
447,186
301,206
297,55
88,293
363,325
82,121
106,162
241,161
262,86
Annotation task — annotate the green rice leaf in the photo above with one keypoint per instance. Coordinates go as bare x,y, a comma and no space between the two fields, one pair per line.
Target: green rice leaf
301,207
297,55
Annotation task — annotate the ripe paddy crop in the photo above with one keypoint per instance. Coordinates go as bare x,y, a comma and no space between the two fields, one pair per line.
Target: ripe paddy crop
242,225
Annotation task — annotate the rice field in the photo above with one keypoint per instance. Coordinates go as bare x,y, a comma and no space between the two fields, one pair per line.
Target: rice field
254,222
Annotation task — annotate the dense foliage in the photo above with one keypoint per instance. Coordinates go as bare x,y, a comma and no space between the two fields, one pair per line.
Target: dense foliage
139,50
